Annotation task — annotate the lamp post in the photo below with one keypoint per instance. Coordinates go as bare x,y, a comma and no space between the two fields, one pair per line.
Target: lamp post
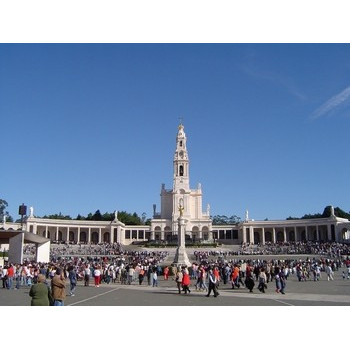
22,210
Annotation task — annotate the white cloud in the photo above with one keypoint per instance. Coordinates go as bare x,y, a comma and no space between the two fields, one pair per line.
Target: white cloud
279,80
333,103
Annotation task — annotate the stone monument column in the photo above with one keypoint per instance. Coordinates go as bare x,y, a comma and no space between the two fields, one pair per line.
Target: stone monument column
181,258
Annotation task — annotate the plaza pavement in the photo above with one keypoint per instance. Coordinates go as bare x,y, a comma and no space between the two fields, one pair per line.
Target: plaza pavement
309,293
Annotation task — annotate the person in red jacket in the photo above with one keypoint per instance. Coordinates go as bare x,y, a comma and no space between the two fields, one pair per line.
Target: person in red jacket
235,277
186,281
166,273
216,273
10,275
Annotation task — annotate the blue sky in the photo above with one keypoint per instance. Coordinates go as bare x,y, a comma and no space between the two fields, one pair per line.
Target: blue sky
93,126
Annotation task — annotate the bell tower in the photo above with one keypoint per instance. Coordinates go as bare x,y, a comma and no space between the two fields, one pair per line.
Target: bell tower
181,163
181,206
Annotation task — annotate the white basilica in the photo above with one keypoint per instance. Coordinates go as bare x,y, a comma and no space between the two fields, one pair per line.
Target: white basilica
198,223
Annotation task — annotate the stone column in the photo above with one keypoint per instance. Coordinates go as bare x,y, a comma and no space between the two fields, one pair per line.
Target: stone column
284,234
251,234
244,235
200,233
210,235
78,238
46,230
306,234
273,235
100,235
111,237
263,236
57,230
89,235
329,232
120,239
181,257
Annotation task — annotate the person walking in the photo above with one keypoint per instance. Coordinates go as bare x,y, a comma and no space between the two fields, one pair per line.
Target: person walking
155,278
58,288
212,284
4,276
72,275
97,276
40,292
131,272
178,280
277,279
87,273
166,273
283,281
235,277
186,281
329,272
10,276
249,281
141,275
262,280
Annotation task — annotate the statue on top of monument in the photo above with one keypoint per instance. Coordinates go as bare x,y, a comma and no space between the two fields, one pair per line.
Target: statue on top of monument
116,216
181,207
31,212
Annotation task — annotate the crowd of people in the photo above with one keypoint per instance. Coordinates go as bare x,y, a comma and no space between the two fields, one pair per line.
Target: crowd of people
111,264
248,272
58,249
75,264
329,249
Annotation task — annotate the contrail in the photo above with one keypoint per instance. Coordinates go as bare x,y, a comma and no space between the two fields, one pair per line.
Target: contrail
331,104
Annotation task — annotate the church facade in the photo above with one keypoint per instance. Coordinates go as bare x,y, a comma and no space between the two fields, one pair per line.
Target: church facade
198,223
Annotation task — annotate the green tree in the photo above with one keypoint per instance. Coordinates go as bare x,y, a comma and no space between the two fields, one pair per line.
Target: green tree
59,216
224,220
97,216
3,211
129,219
326,214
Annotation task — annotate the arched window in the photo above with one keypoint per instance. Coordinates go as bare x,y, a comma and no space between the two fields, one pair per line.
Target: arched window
83,237
157,233
256,238
181,170
291,236
268,236
106,237
94,237
279,236
205,233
